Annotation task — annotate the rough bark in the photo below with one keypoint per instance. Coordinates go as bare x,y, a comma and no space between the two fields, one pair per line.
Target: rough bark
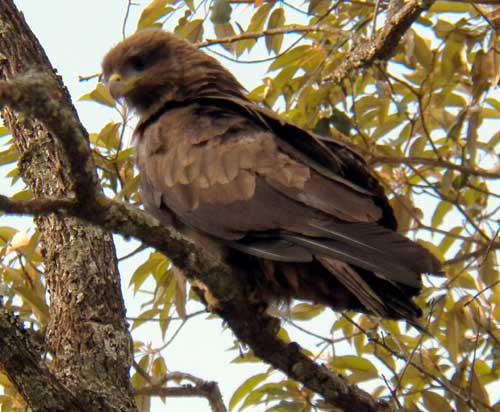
87,334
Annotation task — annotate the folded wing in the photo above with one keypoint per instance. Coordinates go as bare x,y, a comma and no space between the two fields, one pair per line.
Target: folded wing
269,189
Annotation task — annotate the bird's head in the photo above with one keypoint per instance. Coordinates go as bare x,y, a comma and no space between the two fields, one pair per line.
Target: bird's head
153,67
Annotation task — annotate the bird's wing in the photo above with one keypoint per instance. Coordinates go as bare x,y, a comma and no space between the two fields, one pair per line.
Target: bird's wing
234,174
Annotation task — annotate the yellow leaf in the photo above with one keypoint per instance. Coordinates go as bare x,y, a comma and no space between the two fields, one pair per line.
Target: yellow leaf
305,311
225,30
489,270
354,363
100,95
478,389
19,240
191,30
158,368
453,335
436,403
180,292
220,12
245,388
107,136
3,131
277,19
152,12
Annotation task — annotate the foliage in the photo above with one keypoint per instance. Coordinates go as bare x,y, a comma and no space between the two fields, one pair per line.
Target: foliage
424,118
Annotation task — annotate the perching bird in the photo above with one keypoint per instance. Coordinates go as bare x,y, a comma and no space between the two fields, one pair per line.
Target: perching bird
301,215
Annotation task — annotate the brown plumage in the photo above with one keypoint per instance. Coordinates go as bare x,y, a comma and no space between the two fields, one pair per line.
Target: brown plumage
300,215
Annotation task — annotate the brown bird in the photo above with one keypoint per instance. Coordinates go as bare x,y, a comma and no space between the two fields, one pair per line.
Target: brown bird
300,215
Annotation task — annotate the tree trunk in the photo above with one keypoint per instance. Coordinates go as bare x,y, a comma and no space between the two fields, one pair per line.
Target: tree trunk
87,335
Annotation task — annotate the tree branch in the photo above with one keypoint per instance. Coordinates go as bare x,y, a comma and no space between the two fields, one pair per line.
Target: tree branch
291,28
435,163
200,388
58,119
248,320
34,381
36,207
384,44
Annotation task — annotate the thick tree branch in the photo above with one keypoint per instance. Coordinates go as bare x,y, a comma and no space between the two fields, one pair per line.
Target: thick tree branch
28,373
59,120
36,207
384,44
248,321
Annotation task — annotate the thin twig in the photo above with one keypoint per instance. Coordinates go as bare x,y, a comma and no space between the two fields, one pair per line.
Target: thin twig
294,28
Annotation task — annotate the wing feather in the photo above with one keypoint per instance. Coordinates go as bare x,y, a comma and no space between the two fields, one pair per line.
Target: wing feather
316,198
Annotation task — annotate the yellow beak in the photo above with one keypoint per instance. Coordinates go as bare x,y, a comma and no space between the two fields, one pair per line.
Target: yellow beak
115,85
115,77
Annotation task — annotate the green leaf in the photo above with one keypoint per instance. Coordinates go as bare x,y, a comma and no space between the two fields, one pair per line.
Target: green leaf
418,146
35,300
259,18
191,30
220,12
25,194
9,156
448,240
143,317
283,335
245,388
305,311
253,398
456,127
435,402
478,388
6,234
276,20
449,7
452,58
152,13
256,25
158,368
489,270
390,123
494,141
341,121
289,406
453,335
351,362
442,209
225,30
423,52
147,268
4,131
100,95
318,6
107,137
292,56
432,248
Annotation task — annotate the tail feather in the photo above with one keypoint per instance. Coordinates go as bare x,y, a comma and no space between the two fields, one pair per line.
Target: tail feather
355,284
377,242
367,258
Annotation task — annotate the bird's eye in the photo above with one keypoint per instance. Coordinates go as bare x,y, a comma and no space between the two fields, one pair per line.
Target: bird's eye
138,62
